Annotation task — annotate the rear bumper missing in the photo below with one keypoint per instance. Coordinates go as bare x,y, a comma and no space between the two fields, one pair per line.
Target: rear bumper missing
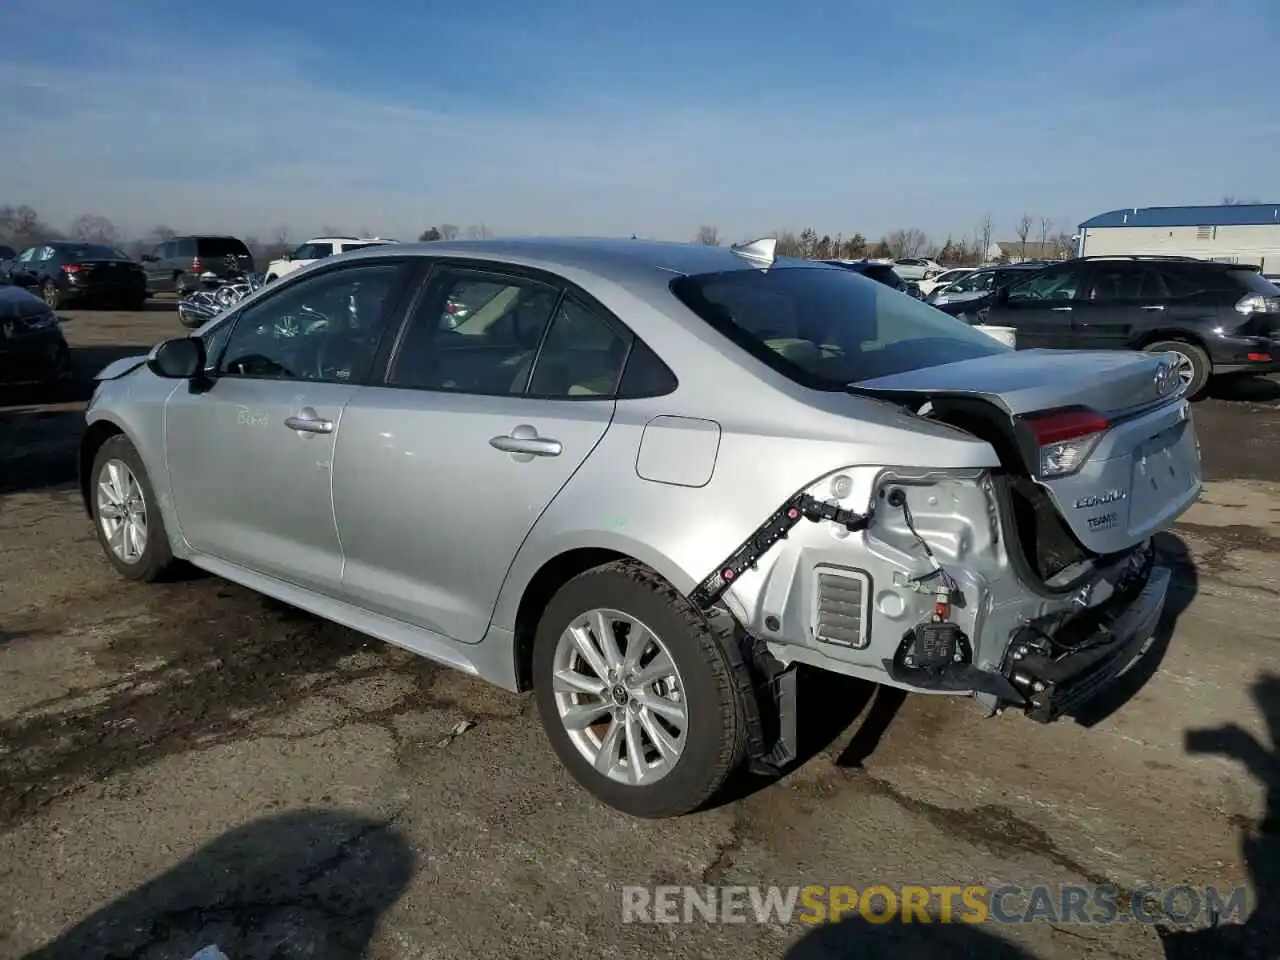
1106,641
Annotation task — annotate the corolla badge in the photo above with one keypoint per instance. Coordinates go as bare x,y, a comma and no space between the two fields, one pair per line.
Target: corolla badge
1101,499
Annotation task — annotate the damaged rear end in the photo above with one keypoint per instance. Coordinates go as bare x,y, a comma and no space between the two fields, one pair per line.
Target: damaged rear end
1098,454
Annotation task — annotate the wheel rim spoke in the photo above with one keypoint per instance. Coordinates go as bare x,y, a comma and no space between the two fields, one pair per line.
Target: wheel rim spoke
620,697
122,511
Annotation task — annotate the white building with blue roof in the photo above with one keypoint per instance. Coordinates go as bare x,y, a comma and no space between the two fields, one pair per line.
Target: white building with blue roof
1232,233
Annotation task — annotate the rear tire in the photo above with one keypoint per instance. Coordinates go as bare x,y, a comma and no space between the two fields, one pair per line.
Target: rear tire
692,764
180,285
120,494
50,294
1193,363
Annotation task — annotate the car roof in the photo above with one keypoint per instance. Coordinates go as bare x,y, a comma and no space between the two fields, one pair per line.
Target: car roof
645,263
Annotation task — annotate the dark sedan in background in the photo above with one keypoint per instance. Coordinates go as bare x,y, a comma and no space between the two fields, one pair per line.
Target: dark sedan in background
71,272
32,348
881,273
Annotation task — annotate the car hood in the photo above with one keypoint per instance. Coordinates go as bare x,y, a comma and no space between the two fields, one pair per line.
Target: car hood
118,368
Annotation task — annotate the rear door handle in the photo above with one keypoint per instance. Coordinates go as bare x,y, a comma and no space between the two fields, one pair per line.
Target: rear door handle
524,440
1060,309
1154,306
307,421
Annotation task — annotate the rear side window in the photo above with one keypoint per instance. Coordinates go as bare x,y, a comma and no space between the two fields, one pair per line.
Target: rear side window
222,247
1252,282
828,328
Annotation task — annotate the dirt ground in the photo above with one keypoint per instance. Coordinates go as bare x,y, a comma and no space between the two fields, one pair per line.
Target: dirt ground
190,764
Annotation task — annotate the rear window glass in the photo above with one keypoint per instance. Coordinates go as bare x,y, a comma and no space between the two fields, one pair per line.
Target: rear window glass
222,247
92,251
1253,282
826,327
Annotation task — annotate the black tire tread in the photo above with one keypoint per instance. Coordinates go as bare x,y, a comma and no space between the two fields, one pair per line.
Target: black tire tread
727,677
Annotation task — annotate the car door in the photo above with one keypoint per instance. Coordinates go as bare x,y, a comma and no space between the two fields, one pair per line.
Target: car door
1112,307
1039,307
443,469
153,266
250,457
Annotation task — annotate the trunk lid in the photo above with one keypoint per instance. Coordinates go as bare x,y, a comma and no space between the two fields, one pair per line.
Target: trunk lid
1128,476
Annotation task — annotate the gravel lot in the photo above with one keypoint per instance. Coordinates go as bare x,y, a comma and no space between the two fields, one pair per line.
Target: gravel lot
189,764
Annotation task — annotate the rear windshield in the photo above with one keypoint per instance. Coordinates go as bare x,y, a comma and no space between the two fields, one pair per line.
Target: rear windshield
92,251
826,327
222,247
1254,282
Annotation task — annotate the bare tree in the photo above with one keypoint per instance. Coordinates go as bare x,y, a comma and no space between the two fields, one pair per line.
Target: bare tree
448,231
1022,230
1063,245
478,231
982,238
708,236
160,233
1238,202
906,243
1046,228
282,237
788,244
94,228
430,235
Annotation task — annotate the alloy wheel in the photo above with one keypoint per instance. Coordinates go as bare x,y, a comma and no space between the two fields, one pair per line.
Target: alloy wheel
122,511
620,697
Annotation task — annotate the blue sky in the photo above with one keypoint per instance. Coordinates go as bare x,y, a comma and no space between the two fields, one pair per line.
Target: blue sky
647,118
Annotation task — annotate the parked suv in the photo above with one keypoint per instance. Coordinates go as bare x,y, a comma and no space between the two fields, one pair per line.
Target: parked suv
175,265
1219,318
317,249
917,268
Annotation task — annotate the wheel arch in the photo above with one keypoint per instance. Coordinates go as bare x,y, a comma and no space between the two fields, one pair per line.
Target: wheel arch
1175,334
530,586
95,435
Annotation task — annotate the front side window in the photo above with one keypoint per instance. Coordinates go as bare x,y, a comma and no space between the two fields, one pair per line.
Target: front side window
828,328
1050,285
979,281
313,251
323,328
27,255
473,331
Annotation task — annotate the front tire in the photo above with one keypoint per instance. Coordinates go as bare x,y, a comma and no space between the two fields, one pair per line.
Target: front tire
126,516
1194,365
50,294
635,692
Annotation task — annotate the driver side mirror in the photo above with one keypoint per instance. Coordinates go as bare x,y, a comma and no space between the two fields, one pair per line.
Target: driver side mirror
148,258
286,257
181,358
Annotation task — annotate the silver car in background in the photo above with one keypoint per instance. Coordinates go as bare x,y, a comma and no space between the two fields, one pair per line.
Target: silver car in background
648,481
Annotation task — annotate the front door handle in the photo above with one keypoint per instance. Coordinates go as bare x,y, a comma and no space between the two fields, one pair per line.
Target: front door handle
1154,306
525,442
308,421
1060,309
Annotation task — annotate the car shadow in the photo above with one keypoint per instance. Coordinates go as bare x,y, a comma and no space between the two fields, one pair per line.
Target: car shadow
1186,583
308,883
1246,389
1259,935
857,937
827,705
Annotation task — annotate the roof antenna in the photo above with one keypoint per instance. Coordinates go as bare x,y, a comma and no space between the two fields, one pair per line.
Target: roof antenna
762,251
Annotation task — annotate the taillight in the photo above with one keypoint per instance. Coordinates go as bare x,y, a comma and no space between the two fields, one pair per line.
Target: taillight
195,264
1257,303
1065,438
71,268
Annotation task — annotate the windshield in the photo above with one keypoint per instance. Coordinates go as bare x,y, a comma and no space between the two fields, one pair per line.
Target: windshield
826,327
973,282
93,251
